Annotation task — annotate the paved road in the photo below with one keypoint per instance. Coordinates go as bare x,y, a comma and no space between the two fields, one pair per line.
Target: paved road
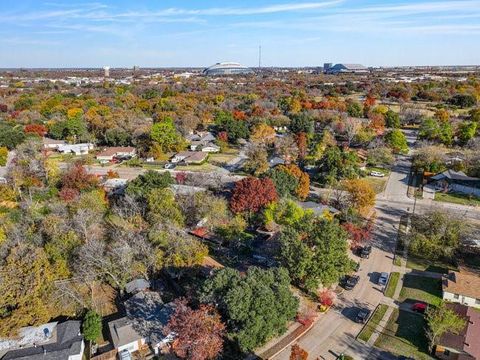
335,332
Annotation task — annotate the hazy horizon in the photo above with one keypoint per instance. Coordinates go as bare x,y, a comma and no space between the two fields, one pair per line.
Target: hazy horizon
82,34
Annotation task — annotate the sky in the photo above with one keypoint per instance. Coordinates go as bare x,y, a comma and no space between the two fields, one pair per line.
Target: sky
183,33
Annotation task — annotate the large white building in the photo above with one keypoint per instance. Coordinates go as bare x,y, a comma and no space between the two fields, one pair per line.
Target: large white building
346,68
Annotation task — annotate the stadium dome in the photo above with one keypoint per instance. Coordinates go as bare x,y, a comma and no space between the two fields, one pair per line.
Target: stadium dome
227,68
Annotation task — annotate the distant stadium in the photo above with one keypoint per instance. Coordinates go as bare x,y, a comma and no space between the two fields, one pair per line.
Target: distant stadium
227,68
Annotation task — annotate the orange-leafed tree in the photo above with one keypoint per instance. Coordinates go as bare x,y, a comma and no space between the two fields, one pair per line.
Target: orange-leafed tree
361,194
38,129
252,194
298,353
326,297
263,134
199,333
302,143
303,188
78,178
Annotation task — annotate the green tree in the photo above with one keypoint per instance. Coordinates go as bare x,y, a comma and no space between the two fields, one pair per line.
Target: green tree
235,129
301,123
11,136
144,183
397,140
285,183
467,131
392,119
337,164
314,251
163,208
257,306
354,109
441,320
92,326
380,156
165,134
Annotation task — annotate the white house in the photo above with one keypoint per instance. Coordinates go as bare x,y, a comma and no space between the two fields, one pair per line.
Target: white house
77,149
108,154
462,288
52,144
211,148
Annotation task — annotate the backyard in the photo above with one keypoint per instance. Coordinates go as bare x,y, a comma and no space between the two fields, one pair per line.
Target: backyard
421,288
405,335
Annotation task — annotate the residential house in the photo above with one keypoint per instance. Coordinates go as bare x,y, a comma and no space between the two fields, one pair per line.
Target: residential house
210,148
456,181
199,139
142,327
462,287
466,344
50,341
108,154
76,149
52,144
189,157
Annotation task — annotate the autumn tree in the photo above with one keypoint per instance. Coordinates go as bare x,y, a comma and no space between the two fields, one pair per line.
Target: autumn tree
302,144
257,160
351,128
198,333
263,134
3,155
361,194
36,129
297,353
78,179
252,194
26,282
165,135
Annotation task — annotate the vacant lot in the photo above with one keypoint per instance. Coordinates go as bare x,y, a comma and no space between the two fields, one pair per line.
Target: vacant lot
420,288
405,335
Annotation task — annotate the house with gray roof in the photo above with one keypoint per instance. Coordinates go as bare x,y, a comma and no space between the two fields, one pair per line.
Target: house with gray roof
456,181
142,326
52,341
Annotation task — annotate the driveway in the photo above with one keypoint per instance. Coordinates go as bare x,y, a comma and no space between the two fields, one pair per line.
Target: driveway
335,332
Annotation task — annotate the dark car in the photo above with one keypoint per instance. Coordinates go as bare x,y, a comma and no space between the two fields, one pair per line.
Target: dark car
362,316
351,281
365,251
419,307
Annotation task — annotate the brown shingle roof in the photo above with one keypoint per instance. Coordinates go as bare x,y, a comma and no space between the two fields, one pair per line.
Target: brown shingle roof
462,283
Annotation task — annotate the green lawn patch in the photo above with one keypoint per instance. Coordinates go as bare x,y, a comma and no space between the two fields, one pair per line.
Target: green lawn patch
455,198
392,284
378,184
427,265
405,335
384,171
397,261
371,325
421,288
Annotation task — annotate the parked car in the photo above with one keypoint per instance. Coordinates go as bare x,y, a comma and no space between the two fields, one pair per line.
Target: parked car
377,174
351,281
419,307
362,316
383,279
365,251
170,166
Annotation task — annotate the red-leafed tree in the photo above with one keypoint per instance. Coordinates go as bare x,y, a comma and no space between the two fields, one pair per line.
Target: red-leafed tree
326,297
223,136
358,235
38,129
252,194
199,333
77,178
298,353
181,177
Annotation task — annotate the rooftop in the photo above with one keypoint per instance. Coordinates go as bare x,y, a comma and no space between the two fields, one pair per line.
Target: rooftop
462,283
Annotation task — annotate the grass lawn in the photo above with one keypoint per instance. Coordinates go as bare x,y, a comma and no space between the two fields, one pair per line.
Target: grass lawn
370,327
369,169
392,284
223,158
426,265
405,335
457,199
378,184
420,288
206,167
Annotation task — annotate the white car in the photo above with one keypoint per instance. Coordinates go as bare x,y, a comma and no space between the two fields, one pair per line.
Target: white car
125,355
383,279
377,174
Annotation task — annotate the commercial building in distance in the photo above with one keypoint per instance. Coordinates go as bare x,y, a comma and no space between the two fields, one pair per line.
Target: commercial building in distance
345,68
227,68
